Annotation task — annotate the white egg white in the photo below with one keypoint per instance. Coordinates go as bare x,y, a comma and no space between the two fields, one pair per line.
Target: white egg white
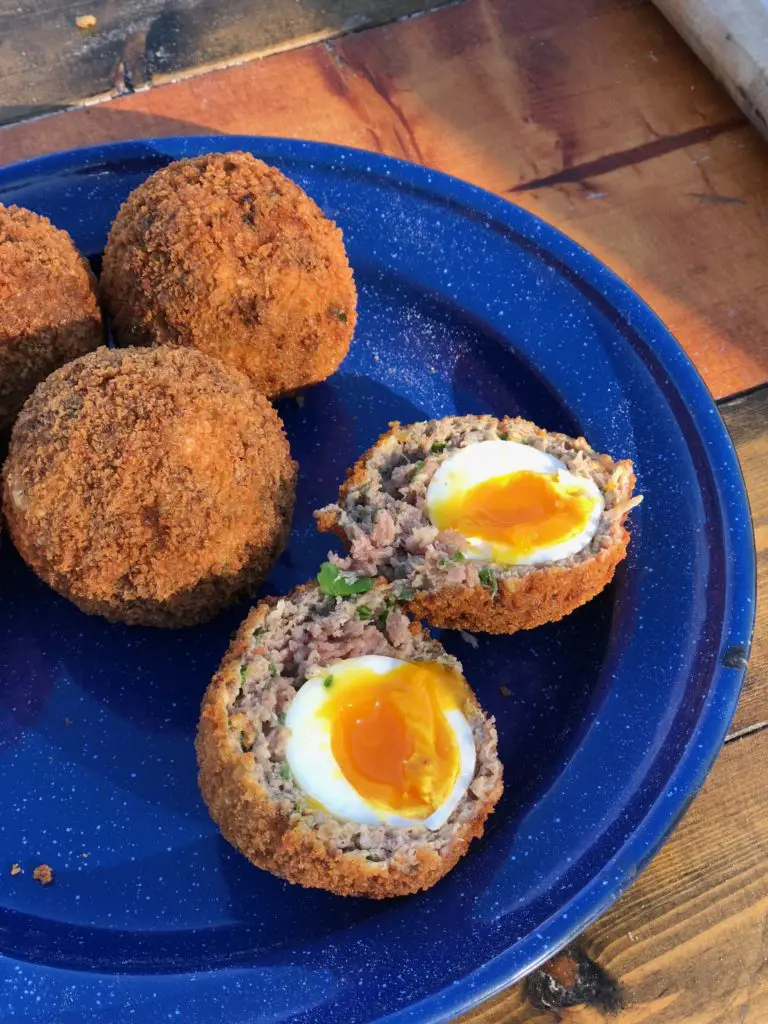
315,769
486,460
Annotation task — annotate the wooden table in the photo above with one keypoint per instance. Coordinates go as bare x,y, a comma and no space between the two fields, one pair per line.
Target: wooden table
594,115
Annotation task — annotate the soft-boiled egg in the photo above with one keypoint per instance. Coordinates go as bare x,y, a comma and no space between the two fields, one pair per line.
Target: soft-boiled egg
375,739
514,504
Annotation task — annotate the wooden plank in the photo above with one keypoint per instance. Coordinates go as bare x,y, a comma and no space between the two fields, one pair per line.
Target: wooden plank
507,91
47,62
731,37
591,113
688,941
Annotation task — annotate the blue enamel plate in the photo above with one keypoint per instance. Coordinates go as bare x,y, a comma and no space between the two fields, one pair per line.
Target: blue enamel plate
608,721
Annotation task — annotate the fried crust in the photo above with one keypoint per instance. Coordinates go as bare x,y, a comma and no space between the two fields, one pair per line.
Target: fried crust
547,594
49,311
254,823
149,486
225,254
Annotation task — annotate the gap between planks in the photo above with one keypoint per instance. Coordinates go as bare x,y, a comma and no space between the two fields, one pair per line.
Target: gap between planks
748,730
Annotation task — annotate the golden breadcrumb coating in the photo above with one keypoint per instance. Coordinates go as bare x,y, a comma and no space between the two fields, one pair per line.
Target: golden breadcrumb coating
547,595
49,312
149,486
225,254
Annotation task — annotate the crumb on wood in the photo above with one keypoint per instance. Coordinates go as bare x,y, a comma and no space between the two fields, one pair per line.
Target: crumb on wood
15,869
86,21
505,691
43,874
67,721
469,638
84,855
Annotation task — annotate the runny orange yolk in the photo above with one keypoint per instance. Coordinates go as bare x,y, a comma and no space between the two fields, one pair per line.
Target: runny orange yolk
522,511
390,737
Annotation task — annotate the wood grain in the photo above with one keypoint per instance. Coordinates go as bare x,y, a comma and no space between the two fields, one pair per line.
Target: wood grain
731,37
47,62
689,940
591,113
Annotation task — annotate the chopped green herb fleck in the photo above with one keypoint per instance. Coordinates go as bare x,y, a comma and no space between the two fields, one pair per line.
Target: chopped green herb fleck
258,632
364,612
503,435
417,466
243,671
281,718
443,562
285,771
437,447
457,556
341,584
272,668
406,594
339,313
328,682
488,579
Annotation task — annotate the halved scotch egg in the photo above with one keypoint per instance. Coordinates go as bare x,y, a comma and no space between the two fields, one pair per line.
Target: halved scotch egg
483,523
341,747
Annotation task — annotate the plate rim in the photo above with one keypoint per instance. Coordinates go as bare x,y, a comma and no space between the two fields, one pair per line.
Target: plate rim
709,732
